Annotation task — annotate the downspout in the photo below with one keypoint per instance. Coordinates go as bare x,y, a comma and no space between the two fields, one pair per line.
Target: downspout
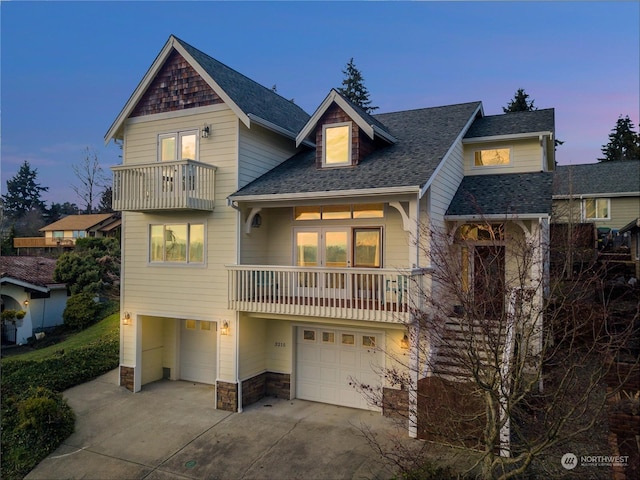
414,335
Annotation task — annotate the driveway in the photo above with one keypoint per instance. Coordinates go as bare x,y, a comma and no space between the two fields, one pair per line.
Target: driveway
172,430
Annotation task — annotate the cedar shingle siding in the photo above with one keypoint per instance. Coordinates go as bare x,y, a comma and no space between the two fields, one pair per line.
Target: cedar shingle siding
176,87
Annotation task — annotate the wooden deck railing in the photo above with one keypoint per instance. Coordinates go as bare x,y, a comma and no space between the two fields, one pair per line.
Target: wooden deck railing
181,185
38,242
383,295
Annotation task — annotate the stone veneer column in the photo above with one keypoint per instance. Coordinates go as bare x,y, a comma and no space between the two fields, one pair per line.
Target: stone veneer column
227,396
126,377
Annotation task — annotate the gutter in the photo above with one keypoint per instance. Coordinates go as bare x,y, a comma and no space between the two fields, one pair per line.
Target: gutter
277,197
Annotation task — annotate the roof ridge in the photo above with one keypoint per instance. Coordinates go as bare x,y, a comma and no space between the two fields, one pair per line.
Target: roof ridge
478,102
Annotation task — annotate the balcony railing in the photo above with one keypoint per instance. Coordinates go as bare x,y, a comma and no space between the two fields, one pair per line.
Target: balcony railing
181,185
382,295
38,242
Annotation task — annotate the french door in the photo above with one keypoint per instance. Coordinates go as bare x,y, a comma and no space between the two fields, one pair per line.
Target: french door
324,247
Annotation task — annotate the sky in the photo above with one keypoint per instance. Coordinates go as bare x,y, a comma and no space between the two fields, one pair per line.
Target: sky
68,68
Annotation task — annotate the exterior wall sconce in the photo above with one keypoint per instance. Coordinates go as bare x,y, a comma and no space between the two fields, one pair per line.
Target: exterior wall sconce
225,328
126,318
404,343
26,303
205,131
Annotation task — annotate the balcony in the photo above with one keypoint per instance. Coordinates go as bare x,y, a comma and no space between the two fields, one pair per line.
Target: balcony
42,242
181,185
379,295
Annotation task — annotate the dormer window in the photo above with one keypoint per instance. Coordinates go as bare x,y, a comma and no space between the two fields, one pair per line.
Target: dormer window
178,146
492,157
337,144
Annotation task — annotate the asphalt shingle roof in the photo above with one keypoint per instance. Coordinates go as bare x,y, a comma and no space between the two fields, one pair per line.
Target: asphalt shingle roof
503,194
33,270
513,123
250,96
423,138
77,222
594,178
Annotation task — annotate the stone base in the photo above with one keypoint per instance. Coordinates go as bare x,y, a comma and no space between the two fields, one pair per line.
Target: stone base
227,396
395,402
267,384
279,385
126,378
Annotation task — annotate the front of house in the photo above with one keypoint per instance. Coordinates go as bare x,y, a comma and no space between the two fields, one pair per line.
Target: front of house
269,252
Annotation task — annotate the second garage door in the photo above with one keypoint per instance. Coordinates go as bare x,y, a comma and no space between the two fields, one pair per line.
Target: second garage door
329,360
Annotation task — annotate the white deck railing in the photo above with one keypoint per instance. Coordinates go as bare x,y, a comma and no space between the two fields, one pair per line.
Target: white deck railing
383,295
181,185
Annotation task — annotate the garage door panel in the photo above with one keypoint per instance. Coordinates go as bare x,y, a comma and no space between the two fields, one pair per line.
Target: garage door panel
197,352
329,361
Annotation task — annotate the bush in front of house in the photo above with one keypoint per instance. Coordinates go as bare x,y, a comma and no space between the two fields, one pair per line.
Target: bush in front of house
81,311
34,423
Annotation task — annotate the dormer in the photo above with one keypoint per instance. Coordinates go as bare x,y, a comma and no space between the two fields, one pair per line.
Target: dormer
343,133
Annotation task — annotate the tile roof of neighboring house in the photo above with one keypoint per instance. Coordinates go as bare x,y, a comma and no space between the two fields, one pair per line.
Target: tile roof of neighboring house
423,138
594,178
32,270
513,123
503,194
77,222
250,96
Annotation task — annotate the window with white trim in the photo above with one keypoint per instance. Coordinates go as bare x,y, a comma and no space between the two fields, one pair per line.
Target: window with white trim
336,141
597,209
178,146
176,243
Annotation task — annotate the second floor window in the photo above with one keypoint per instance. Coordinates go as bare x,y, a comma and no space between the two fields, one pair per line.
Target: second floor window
177,243
337,145
178,146
492,157
596,209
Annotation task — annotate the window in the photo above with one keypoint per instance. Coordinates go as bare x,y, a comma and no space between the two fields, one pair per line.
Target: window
178,146
368,341
337,144
367,247
328,337
309,335
339,212
177,243
58,234
79,234
596,209
492,157
348,339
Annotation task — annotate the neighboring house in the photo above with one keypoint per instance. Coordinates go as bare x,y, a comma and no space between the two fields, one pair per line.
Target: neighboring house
64,233
606,194
633,230
27,285
269,252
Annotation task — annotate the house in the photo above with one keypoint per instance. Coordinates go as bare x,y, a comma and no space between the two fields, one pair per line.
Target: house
267,251
27,285
64,232
605,194
633,230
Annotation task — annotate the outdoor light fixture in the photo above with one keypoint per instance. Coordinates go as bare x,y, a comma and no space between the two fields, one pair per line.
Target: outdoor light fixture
126,319
404,343
26,303
205,131
225,328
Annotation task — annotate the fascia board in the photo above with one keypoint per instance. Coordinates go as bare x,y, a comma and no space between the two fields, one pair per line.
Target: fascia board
458,139
275,128
500,138
502,217
329,194
23,284
578,196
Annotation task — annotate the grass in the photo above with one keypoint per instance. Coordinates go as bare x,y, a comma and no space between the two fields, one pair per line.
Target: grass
35,417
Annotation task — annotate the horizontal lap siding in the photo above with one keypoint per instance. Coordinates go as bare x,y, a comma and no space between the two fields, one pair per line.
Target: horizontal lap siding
444,186
526,156
184,291
623,211
253,334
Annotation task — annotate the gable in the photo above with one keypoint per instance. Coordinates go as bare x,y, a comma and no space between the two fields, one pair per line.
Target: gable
177,86
361,144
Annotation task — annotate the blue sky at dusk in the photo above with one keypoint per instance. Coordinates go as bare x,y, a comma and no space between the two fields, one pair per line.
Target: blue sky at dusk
68,68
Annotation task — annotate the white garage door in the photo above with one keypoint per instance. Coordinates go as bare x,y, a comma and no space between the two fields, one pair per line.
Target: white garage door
198,351
329,360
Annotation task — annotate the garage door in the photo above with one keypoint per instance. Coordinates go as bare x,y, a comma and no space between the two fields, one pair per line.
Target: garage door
198,351
328,360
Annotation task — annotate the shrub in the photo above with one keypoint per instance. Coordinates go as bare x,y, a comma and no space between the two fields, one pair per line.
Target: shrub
81,311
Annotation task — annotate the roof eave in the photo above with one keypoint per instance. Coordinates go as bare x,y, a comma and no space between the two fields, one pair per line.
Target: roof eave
498,216
514,136
365,192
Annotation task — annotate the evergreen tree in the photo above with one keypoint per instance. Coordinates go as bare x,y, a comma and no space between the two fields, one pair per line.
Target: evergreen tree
106,199
23,193
519,103
624,142
354,89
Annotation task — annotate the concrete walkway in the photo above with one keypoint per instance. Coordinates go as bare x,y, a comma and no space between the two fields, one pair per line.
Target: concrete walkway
171,430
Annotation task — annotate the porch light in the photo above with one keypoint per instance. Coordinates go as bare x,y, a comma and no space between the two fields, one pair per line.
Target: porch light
126,318
205,131
225,328
26,303
404,343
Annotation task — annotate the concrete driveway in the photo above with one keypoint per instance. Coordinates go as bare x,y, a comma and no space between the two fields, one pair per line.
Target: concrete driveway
171,430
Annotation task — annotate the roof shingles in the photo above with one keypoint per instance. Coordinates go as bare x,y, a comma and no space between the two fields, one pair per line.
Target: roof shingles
595,178
33,270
